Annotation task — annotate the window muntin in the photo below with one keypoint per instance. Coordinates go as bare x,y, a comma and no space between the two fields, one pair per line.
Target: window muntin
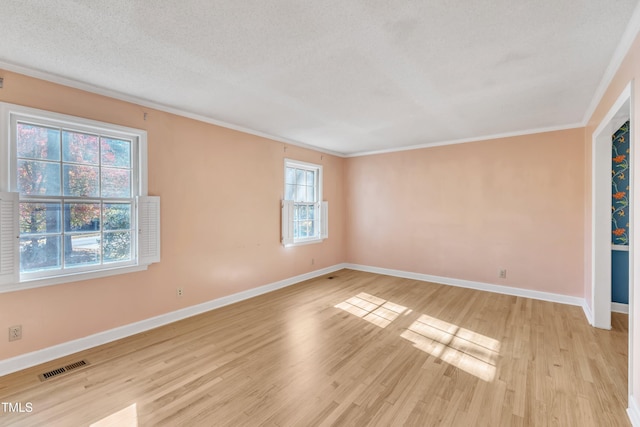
77,186
303,187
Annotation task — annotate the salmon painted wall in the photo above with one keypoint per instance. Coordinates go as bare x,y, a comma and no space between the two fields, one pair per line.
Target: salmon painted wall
220,191
466,211
628,71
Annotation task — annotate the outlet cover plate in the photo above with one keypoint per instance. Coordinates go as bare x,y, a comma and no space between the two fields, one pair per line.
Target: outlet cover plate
15,333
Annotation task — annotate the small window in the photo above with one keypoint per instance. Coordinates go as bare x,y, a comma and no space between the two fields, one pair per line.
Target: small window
303,218
79,185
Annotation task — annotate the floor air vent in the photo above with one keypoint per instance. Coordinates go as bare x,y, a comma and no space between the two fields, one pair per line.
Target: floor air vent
64,369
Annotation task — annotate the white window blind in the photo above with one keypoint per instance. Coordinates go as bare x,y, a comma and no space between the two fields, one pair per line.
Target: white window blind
148,229
287,222
9,252
324,220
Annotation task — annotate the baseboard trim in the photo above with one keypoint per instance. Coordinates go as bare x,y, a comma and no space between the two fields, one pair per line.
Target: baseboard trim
489,287
633,412
587,312
28,360
617,307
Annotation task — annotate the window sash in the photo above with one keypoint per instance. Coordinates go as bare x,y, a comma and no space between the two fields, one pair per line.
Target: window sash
66,164
304,221
65,268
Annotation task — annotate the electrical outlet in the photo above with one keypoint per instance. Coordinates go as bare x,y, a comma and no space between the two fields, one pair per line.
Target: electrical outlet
313,261
180,292
503,274
15,333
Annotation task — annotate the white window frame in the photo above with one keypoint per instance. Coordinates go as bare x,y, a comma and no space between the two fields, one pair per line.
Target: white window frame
288,206
143,206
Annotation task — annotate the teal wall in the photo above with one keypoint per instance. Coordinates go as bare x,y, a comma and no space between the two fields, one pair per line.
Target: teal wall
620,276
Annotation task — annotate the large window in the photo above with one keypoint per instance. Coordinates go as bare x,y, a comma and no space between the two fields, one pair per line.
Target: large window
304,213
78,184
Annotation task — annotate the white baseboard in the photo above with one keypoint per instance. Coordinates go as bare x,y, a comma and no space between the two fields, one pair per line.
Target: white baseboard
28,360
24,361
587,312
507,290
617,307
633,412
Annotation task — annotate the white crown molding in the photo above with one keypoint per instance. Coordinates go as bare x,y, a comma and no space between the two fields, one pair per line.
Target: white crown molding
489,287
622,49
160,107
28,360
466,140
64,81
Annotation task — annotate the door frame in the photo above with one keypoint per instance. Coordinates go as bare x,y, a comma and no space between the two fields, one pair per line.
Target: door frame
601,149
623,109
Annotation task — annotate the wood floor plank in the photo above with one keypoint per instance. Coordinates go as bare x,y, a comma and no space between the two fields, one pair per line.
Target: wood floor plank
358,349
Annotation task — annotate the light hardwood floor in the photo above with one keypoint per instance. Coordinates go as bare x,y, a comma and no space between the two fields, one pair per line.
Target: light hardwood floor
357,349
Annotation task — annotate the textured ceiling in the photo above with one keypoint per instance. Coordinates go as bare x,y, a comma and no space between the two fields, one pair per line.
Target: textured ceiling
348,76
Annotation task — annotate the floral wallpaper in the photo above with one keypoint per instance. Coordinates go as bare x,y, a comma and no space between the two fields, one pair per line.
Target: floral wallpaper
620,186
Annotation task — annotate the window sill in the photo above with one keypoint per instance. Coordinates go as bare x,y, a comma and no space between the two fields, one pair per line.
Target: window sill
304,242
68,278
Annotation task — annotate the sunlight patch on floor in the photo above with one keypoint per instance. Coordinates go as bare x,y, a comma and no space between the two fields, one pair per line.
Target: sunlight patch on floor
474,353
377,311
127,417
467,350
